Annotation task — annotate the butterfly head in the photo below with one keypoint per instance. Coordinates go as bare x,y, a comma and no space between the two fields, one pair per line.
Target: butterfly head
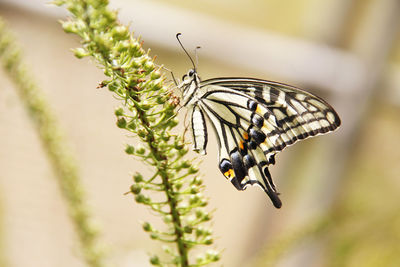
190,76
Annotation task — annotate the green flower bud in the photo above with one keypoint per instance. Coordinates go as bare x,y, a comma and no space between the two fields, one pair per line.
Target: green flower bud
134,63
121,123
69,27
157,85
194,199
208,240
165,138
167,249
103,84
136,188
196,181
154,260
143,59
129,150
168,218
123,46
203,202
148,66
154,236
199,213
199,259
178,185
111,16
186,164
151,119
194,189
206,217
113,86
80,52
155,75
183,151
108,72
119,111
172,123
74,8
199,232
58,2
160,100
146,105
188,229
142,133
213,255
120,32
178,145
140,150
147,227
103,42
169,111
193,170
131,125
140,198
138,178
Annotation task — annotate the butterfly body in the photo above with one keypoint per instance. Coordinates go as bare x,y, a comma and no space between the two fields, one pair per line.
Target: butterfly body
253,120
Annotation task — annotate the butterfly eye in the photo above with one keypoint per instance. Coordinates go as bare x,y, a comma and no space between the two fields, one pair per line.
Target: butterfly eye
191,73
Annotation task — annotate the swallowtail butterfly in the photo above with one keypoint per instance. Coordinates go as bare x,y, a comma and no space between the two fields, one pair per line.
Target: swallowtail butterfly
254,120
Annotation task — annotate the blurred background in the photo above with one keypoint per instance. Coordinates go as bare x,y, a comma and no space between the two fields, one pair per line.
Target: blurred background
340,192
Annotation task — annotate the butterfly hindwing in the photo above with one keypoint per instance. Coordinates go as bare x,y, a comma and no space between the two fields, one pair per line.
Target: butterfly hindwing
241,159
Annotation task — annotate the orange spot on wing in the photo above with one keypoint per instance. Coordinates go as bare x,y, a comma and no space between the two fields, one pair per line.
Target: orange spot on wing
245,136
229,174
241,145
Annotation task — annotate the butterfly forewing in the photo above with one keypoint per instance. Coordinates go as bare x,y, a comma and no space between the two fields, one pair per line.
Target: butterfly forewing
253,120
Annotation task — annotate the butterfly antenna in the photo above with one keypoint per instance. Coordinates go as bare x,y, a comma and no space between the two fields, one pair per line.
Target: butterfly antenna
177,37
197,55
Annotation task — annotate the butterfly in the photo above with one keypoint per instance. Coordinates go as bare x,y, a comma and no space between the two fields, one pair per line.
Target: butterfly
253,120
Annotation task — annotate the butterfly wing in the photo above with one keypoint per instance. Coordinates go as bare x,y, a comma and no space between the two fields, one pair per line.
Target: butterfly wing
255,119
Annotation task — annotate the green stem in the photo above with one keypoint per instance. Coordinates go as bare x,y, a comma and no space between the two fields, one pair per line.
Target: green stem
169,192
173,204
